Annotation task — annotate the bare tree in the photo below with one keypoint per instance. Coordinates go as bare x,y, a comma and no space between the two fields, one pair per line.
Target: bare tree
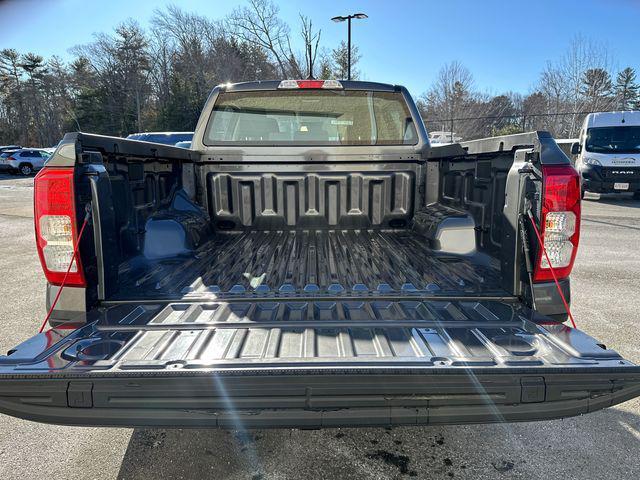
186,40
259,24
450,96
563,84
556,90
583,54
311,43
121,62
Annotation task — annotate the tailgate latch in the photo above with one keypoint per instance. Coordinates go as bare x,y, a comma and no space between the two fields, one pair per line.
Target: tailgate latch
80,394
533,389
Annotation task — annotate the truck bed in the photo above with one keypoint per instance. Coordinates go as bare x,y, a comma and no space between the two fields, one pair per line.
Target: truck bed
318,262
306,292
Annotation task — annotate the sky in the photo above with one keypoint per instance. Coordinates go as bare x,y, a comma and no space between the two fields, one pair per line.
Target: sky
505,44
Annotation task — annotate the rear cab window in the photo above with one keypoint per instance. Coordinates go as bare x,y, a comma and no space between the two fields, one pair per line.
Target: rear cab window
311,117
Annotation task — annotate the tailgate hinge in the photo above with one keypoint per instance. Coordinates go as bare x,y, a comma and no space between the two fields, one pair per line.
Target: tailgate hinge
80,394
533,389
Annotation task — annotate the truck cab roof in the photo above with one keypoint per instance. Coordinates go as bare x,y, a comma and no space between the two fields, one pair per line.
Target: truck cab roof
276,84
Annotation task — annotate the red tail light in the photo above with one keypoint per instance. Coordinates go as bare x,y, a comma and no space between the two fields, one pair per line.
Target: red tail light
11,159
560,221
56,229
310,83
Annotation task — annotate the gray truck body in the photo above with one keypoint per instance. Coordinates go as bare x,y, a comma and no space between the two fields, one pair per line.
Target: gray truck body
263,286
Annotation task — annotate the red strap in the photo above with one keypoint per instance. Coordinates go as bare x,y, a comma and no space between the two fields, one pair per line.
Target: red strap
553,272
64,279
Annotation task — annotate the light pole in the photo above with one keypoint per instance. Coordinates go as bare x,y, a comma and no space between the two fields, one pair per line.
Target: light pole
348,19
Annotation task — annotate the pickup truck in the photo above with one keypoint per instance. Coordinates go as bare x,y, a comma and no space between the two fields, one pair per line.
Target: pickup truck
311,262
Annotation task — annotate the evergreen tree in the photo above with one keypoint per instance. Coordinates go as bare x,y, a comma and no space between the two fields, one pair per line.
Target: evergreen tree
597,89
340,56
626,89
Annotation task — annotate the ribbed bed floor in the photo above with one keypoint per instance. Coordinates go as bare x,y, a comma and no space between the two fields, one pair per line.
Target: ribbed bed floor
334,261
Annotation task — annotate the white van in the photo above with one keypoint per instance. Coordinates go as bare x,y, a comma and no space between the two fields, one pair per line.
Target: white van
442,137
608,153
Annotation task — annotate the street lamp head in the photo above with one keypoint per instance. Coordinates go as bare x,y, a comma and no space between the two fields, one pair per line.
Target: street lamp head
342,18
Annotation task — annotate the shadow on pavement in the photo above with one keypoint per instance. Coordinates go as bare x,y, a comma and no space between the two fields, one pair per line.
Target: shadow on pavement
599,445
611,224
14,178
620,199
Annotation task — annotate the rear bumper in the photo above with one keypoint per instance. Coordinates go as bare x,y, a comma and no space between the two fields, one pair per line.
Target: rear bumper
608,187
317,400
603,179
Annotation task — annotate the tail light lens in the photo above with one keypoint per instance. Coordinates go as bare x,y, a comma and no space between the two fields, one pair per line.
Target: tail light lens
560,221
294,84
56,229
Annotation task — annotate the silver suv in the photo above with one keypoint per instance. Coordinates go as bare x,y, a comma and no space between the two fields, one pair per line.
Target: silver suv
24,161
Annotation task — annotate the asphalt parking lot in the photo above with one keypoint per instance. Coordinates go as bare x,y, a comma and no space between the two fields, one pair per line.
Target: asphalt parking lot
606,304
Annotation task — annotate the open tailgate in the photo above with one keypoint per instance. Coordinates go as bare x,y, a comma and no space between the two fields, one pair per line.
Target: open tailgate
311,363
